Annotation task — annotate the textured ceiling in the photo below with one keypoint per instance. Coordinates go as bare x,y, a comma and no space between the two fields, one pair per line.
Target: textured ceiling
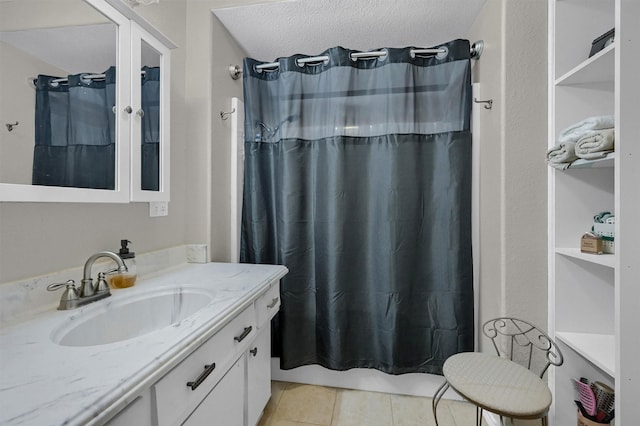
276,29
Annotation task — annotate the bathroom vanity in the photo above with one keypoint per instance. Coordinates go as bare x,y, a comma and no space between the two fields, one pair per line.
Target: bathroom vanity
188,346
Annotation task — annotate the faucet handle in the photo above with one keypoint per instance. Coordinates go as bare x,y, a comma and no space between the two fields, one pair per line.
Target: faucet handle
101,285
56,286
69,298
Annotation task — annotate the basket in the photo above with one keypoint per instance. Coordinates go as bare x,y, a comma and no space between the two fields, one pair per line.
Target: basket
583,421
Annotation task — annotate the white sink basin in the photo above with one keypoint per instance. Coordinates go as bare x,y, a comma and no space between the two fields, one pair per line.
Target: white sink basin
128,318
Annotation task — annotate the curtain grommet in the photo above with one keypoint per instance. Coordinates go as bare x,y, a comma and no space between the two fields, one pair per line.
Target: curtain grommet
379,55
442,55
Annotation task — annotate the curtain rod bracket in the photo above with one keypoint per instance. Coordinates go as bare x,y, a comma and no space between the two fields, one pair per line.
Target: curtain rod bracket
476,49
235,71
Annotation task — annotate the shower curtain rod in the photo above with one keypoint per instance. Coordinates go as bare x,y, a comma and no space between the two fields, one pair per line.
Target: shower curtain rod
476,50
88,76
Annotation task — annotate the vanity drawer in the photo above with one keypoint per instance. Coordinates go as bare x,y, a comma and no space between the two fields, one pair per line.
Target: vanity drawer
268,304
175,400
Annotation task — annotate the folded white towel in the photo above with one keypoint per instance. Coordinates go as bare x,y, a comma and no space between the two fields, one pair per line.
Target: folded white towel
595,144
561,155
578,130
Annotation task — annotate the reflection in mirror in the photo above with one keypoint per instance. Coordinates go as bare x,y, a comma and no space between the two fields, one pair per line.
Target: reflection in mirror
58,73
150,118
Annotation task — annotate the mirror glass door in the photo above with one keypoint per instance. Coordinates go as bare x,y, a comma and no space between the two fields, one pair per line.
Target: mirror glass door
150,129
150,134
58,95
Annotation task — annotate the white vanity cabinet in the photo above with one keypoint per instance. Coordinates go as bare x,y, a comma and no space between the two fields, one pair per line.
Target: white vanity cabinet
224,405
182,390
226,377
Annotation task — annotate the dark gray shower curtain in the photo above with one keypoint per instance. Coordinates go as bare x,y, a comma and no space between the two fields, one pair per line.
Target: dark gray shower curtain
75,131
358,179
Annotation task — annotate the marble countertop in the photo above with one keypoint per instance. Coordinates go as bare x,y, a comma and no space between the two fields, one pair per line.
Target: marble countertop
43,383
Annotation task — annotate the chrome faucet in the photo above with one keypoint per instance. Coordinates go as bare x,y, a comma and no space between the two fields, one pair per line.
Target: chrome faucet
73,298
86,287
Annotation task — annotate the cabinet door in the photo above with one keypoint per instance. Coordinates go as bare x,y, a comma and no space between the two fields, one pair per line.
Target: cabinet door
150,88
224,406
74,145
258,376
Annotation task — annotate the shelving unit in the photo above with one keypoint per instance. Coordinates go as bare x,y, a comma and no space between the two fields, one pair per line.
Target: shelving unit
594,300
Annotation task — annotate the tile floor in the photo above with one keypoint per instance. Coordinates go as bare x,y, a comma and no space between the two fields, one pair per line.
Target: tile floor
294,404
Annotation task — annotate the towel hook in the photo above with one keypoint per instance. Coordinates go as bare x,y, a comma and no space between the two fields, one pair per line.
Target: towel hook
489,103
225,115
10,126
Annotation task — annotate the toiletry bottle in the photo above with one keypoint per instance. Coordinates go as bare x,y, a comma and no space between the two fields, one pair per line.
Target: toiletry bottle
127,279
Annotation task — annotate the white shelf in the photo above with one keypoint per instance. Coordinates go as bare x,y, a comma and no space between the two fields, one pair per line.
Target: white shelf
599,68
607,161
608,260
599,349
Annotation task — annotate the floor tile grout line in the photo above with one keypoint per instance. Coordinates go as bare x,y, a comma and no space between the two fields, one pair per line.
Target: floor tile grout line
277,403
393,419
333,409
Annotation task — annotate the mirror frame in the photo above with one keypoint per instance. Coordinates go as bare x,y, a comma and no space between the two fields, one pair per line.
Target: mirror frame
125,18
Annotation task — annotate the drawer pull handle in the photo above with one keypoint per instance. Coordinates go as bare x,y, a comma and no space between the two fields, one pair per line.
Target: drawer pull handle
208,369
273,303
254,351
244,334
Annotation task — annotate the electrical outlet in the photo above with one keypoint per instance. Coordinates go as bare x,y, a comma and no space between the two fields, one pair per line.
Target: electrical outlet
158,208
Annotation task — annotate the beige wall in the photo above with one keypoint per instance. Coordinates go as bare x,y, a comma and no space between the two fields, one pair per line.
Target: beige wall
209,89
513,175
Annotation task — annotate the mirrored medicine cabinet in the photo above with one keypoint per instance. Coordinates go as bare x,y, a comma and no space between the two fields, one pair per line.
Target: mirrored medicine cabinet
84,104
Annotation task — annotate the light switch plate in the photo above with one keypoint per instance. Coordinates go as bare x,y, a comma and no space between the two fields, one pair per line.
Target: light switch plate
158,208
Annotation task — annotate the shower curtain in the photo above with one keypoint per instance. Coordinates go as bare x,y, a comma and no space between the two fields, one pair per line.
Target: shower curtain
358,179
75,131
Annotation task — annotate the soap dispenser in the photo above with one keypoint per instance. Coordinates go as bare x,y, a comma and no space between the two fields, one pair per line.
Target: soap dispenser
127,279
